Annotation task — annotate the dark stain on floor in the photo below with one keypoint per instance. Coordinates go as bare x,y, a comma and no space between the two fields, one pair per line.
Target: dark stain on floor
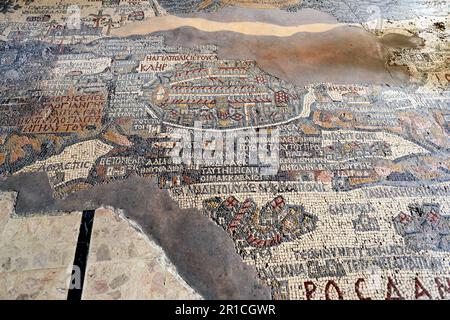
343,55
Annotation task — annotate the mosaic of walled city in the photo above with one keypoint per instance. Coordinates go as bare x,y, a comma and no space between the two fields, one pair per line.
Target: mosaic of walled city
225,149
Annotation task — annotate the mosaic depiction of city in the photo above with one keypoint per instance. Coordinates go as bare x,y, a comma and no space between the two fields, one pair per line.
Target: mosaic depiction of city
350,198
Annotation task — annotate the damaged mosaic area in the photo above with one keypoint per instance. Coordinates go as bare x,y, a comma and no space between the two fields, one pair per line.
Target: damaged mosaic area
38,253
103,97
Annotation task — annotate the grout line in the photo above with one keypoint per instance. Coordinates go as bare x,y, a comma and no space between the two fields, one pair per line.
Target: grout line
81,256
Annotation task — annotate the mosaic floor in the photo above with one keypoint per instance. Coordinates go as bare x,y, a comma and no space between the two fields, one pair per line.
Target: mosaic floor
224,149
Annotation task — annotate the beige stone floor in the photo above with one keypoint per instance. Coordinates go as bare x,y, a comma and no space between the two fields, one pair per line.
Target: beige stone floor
37,253
124,264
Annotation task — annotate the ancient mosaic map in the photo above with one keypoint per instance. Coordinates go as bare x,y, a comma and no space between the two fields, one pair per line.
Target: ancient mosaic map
280,149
